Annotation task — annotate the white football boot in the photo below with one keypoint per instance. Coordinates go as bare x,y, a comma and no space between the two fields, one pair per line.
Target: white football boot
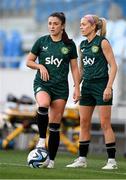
79,162
111,164
51,164
41,143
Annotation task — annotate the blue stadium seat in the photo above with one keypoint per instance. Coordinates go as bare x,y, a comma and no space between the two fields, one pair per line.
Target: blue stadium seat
7,5
40,9
2,43
13,49
2,36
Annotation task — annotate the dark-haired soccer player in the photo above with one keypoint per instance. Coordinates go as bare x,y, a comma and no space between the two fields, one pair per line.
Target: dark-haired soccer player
55,53
96,55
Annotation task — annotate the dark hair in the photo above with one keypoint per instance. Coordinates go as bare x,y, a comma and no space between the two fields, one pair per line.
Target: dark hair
62,18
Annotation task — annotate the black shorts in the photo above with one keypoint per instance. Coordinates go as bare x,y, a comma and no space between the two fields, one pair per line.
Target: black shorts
92,93
55,92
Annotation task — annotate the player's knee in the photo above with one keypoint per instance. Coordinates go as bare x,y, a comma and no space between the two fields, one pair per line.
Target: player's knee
84,124
105,126
54,127
42,110
57,116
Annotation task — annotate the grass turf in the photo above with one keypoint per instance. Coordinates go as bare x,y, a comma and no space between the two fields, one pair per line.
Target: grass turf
13,165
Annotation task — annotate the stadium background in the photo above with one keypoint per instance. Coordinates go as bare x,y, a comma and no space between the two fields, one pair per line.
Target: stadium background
21,23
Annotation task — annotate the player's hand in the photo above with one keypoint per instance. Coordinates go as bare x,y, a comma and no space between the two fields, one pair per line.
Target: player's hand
44,73
107,95
76,94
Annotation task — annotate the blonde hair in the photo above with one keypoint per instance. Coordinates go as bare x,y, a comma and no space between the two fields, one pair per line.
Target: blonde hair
100,25
99,22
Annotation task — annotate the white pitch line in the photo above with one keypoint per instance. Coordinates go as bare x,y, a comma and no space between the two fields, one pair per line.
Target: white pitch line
100,171
14,164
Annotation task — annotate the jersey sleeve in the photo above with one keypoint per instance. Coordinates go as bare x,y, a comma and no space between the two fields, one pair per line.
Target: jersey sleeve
36,48
73,52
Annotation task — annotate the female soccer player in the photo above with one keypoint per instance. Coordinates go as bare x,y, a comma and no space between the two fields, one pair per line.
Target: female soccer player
96,56
55,53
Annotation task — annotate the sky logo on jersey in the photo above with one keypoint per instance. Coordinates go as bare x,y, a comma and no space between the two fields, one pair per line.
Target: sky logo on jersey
88,61
64,50
52,60
94,49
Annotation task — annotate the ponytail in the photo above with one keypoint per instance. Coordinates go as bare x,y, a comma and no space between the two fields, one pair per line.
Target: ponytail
100,25
65,38
103,27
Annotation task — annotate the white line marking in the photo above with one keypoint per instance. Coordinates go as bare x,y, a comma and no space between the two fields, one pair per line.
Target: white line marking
100,171
14,164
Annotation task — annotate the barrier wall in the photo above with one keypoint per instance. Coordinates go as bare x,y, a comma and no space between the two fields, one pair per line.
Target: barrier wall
16,82
19,82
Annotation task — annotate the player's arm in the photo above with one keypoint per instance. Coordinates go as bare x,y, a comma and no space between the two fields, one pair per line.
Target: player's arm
76,78
108,53
31,63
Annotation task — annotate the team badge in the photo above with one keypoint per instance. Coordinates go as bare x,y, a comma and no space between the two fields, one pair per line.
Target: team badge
64,50
94,49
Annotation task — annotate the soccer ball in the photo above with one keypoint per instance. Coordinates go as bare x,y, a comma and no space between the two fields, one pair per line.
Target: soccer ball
38,158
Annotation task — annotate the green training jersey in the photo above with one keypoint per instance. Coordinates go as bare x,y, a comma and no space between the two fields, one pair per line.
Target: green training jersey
94,62
55,56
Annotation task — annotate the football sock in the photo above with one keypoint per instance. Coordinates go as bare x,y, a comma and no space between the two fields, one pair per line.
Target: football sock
54,139
83,148
111,150
42,121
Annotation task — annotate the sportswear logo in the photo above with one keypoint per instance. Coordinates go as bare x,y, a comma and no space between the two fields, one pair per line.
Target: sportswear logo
94,49
52,60
82,50
88,61
64,50
44,48
38,89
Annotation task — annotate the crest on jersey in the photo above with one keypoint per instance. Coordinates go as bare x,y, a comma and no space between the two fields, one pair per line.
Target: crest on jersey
94,49
64,50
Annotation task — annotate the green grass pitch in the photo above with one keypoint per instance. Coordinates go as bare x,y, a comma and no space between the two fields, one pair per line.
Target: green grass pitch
13,165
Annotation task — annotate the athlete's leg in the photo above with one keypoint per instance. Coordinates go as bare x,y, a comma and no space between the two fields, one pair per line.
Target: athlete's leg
105,118
55,116
85,122
84,139
43,101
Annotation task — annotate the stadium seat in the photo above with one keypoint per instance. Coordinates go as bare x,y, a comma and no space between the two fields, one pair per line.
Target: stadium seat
13,50
2,41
